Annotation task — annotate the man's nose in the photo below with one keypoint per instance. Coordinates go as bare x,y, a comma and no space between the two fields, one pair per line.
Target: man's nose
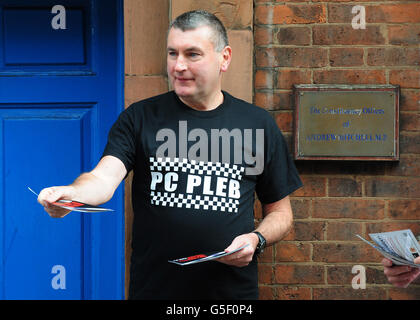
180,64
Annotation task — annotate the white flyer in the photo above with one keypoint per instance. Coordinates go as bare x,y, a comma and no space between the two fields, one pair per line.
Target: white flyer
204,257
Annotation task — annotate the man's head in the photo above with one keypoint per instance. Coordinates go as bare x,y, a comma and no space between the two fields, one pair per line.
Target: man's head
193,19
198,53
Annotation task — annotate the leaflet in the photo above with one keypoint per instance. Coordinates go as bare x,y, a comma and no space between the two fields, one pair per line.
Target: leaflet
76,205
204,257
401,247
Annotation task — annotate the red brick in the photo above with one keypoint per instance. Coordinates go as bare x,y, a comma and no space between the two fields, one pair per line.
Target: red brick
267,255
350,76
293,293
290,14
349,294
404,35
296,252
393,226
348,209
410,293
343,230
306,231
284,120
312,187
266,293
408,166
410,100
409,142
273,100
340,13
345,34
291,57
298,36
258,213
393,13
265,274
409,121
264,79
344,187
393,57
301,208
286,78
345,252
299,274
392,187
342,275
404,209
263,35
346,57
405,78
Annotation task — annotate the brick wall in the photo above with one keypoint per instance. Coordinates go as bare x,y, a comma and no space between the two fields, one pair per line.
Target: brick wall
299,42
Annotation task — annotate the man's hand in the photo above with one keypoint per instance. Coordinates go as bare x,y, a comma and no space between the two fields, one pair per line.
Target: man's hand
243,257
95,187
49,195
400,276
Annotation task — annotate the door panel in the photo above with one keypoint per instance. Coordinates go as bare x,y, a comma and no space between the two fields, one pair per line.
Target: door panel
60,92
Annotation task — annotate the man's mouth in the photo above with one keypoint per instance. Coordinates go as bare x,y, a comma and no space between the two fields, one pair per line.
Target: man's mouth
183,79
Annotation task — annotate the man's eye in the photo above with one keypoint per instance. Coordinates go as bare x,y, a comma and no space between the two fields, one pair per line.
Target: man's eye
171,53
193,54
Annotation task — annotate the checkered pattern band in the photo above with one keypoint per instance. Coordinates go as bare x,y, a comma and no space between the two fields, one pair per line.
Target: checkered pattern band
168,199
197,167
190,201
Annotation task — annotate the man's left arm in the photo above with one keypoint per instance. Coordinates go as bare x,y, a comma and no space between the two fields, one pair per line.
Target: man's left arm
277,222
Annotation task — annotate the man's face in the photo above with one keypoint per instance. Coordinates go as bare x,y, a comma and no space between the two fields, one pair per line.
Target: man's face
194,67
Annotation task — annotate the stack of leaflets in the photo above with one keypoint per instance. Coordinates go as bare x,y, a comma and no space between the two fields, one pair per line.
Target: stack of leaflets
204,257
76,205
401,247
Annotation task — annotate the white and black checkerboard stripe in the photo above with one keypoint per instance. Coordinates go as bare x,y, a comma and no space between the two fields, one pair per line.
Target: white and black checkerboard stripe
197,167
168,199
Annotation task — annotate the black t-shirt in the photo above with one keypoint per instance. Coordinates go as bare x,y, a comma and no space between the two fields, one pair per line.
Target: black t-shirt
195,173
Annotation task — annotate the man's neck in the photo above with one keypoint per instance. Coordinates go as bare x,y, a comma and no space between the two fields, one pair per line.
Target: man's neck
206,104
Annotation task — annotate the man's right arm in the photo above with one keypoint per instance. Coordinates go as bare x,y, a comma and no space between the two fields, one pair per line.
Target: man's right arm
95,187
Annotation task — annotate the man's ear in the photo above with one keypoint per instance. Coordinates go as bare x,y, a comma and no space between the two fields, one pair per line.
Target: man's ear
226,58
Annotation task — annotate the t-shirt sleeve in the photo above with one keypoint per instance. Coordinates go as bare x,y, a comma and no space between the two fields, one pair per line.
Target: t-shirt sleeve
121,139
280,176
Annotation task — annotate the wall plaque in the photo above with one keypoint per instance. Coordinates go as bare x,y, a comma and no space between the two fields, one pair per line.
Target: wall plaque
346,122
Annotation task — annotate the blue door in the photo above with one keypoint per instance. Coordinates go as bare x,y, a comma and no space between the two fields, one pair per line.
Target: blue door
61,89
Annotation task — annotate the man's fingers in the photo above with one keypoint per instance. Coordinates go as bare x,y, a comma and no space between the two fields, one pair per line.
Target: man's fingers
396,270
386,262
56,212
50,195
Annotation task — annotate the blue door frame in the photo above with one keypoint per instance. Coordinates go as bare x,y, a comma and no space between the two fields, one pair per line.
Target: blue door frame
60,92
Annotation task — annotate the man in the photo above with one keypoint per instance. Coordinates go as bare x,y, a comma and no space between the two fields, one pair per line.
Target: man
198,154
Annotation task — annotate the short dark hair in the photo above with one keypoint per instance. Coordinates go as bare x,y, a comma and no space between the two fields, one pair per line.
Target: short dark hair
193,19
